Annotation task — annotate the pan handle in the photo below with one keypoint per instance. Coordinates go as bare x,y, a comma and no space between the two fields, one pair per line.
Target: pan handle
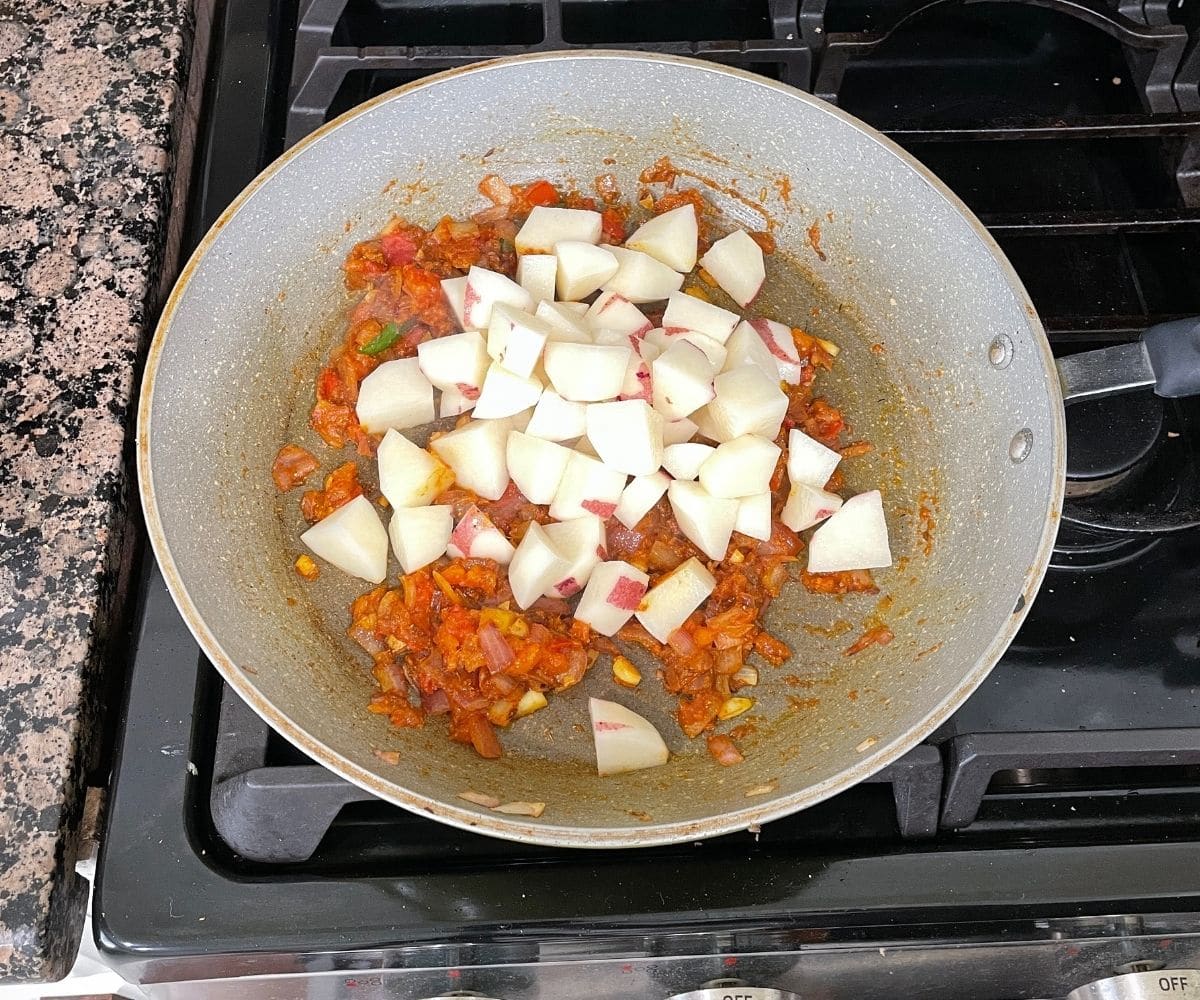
1167,359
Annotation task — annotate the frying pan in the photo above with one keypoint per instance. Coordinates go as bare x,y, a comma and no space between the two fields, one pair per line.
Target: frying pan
944,368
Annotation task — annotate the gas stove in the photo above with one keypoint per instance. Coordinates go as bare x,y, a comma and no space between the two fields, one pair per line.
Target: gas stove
1045,838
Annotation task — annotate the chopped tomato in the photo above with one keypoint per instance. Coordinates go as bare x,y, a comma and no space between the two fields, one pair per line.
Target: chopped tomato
612,225
341,486
540,193
292,466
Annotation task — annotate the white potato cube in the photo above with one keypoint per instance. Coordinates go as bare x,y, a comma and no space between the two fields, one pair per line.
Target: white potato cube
706,520
681,378
484,290
668,603
455,290
586,373
659,338
627,435
408,475
536,273
707,428
420,535
809,461
740,467
566,323
516,339
683,461
687,312
670,238
454,403
536,465
854,537
639,382
397,395
576,309
614,338
678,431
736,264
641,278
353,539
582,268
547,226
583,543
476,453
535,565
754,516
777,339
588,486
746,347
505,393
808,505
459,361
714,351
747,402
612,311
639,496
613,594
624,741
557,419
476,537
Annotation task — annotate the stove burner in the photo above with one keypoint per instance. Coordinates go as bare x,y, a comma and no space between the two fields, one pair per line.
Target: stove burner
1108,439
1159,495
1082,548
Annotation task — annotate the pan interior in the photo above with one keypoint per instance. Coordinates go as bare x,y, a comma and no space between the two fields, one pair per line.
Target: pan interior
907,288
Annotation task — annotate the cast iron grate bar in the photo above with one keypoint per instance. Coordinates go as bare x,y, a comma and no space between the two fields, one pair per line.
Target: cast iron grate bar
320,68
279,814
1155,52
974,759
1091,127
1094,223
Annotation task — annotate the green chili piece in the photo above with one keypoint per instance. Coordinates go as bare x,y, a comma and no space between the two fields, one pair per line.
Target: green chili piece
387,336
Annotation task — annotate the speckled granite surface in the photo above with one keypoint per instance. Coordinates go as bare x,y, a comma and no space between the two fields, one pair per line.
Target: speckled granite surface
91,93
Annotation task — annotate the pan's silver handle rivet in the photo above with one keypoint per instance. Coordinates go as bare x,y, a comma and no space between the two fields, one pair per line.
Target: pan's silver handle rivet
1000,353
1021,445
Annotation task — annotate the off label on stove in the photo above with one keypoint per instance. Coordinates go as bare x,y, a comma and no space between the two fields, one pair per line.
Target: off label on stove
1179,984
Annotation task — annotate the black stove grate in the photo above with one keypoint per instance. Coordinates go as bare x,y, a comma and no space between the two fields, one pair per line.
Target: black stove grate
1070,782
331,73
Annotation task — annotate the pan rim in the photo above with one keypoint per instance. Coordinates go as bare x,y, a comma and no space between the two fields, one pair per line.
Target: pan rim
549,834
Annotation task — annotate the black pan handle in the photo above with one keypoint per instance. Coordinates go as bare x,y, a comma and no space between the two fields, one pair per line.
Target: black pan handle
1166,359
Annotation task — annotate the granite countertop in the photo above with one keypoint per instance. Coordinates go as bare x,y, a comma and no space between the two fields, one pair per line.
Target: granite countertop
92,95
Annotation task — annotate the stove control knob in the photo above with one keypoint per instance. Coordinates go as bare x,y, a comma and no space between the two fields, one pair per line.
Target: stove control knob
1162,984
732,989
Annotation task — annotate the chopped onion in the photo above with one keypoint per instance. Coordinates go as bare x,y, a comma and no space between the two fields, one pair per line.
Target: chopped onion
367,639
505,684
552,606
498,652
724,751
747,676
681,642
495,190
435,703
479,799
483,736
534,809
577,665
388,756
728,661
766,788
393,675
